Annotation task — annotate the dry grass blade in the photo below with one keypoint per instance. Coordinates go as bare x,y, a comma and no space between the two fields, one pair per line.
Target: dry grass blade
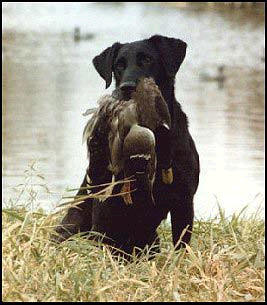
89,187
224,262
101,194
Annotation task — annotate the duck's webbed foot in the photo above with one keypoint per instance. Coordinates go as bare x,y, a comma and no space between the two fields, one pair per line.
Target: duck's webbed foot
167,175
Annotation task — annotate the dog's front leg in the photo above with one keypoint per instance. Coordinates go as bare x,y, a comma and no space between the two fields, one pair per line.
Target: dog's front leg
77,219
182,215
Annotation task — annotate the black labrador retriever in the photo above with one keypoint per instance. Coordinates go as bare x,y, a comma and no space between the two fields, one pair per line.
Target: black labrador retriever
127,227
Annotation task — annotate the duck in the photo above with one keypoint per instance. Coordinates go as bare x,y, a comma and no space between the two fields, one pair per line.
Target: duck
220,77
78,36
129,127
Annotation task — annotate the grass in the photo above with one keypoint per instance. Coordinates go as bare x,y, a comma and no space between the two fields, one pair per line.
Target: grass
224,262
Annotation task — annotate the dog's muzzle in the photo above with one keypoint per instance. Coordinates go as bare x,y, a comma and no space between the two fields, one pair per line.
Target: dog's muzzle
127,88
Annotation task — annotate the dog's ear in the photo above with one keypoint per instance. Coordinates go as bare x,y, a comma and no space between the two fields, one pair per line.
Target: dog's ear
172,52
103,62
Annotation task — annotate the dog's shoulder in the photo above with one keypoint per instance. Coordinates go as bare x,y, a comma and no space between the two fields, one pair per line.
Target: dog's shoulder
179,119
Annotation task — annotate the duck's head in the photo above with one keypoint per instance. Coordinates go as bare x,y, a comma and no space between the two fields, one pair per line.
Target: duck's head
139,163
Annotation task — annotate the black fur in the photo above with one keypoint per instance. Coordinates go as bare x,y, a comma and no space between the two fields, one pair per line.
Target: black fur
135,226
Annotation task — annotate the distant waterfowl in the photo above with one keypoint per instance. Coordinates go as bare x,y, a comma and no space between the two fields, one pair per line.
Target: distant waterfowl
129,128
78,36
220,77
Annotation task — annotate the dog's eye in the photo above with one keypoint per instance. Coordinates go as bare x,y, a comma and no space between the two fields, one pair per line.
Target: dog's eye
120,66
146,60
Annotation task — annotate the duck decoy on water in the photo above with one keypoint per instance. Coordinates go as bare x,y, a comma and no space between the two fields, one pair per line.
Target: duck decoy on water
121,139
220,77
78,36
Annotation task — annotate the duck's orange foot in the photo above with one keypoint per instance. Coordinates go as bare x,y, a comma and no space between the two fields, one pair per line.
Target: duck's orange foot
167,175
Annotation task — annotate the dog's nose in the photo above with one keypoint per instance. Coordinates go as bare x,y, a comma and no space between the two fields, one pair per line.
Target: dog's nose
128,87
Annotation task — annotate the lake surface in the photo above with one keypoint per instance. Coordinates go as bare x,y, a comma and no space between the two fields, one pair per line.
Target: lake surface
49,81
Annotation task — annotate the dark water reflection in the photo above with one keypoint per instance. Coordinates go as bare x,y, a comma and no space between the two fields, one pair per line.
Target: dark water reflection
48,81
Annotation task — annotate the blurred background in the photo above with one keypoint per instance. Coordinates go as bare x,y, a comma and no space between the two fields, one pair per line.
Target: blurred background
49,81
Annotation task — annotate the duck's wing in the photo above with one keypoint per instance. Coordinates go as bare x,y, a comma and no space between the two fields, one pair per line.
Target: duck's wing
89,111
163,139
96,134
89,127
163,133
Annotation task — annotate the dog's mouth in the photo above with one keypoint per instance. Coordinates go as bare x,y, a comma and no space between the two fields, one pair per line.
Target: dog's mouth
127,89
118,94
126,96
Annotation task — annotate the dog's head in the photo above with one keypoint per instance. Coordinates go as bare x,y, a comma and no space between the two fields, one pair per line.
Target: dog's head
158,57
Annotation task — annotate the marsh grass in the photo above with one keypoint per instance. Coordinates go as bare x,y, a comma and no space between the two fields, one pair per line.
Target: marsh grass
224,262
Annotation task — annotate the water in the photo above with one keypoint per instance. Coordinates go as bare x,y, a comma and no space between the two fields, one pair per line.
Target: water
49,81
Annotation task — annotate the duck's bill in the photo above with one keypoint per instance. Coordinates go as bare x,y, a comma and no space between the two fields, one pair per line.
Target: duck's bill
167,175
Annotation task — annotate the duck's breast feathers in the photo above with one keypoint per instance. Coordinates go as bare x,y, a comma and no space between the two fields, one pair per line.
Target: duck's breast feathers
139,140
127,117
